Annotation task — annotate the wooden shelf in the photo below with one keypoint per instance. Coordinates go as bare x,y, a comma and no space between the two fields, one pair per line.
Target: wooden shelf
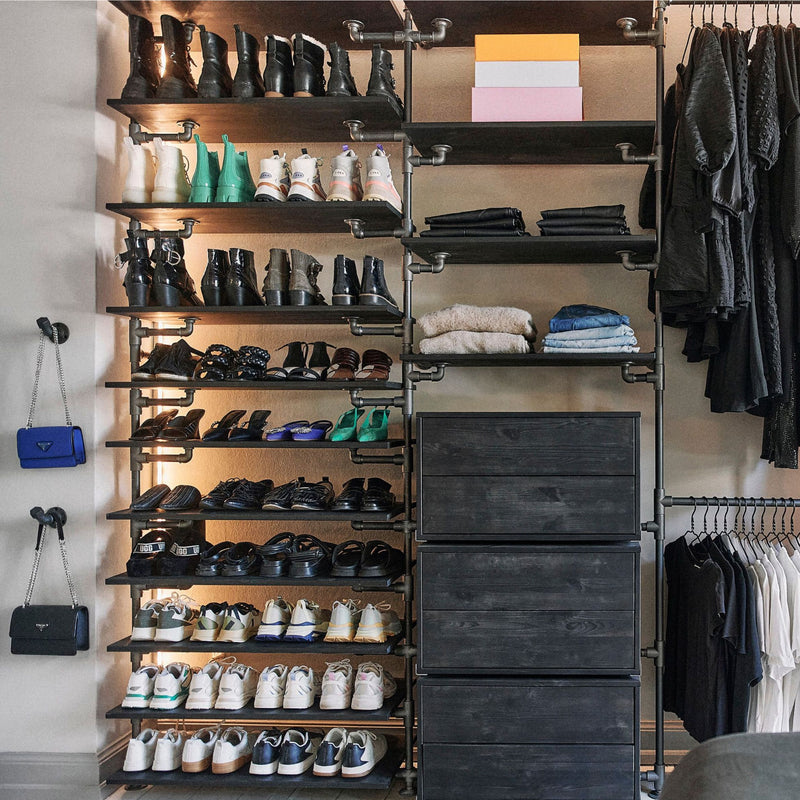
594,20
531,142
284,516
197,444
184,581
264,119
265,315
530,359
257,217
261,386
533,249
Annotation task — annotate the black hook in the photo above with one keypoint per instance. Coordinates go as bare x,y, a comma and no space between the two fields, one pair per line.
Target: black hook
47,329
52,517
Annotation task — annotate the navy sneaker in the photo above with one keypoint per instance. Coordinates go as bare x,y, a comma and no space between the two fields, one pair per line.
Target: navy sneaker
362,753
329,756
298,750
266,752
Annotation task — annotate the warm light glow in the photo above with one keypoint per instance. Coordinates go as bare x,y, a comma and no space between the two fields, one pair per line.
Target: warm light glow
162,61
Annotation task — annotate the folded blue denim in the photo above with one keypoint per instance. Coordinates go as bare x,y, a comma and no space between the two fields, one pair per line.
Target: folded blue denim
605,332
622,348
578,317
589,344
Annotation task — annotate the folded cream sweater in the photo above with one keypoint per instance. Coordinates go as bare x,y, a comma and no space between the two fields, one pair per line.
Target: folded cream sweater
475,342
487,319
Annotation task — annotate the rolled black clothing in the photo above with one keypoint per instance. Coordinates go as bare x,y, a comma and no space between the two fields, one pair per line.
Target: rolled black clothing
566,222
588,230
466,218
607,212
481,232
512,223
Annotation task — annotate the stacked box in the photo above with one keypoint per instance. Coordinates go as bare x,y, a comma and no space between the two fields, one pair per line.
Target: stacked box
527,78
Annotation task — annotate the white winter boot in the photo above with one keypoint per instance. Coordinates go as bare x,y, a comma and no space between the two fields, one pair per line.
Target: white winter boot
273,179
379,185
306,184
345,182
141,173
172,182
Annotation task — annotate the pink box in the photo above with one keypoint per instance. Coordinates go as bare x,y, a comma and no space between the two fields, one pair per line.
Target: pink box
518,104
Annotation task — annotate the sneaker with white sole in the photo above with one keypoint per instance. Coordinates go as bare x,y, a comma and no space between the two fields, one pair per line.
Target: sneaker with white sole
345,616
345,182
237,687
379,185
204,688
231,752
169,749
171,686
372,687
271,687
140,687
240,623
266,752
209,623
302,688
146,620
330,753
274,179
275,620
298,749
199,749
362,753
306,184
309,622
176,620
337,686
141,751
378,622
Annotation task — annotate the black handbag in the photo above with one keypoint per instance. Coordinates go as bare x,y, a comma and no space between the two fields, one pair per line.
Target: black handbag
49,630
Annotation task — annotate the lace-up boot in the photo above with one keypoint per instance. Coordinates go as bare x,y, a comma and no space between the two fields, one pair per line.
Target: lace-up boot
177,82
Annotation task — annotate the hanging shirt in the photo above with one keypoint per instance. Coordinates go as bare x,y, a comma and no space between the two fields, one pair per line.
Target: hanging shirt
757,691
791,681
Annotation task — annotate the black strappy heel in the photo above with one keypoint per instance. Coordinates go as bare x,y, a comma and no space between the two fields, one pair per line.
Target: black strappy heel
317,367
184,428
295,358
220,430
253,430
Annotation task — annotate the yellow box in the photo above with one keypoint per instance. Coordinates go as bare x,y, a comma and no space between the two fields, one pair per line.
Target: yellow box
527,47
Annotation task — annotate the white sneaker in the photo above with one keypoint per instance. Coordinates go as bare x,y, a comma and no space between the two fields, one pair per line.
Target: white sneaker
204,688
172,181
378,622
274,179
176,620
209,623
231,751
379,185
240,623
266,752
298,749
199,748
302,688
275,620
337,686
140,687
344,621
271,687
328,760
141,173
345,182
146,620
362,753
306,184
171,686
308,622
373,686
141,750
236,687
169,750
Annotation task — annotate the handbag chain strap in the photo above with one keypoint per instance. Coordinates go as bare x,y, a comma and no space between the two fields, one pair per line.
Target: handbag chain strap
62,385
40,539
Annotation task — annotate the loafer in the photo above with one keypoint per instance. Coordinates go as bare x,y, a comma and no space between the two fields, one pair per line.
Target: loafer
242,559
280,498
378,496
211,562
181,498
151,498
313,496
351,496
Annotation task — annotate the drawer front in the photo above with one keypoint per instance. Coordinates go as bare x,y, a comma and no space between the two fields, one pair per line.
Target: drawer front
528,711
528,444
527,507
540,609
528,772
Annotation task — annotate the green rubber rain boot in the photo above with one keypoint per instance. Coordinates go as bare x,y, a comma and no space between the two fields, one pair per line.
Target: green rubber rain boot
206,174
248,190
229,184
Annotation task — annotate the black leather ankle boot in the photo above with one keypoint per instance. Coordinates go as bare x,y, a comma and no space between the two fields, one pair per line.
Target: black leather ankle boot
374,291
381,81
215,79
276,281
139,273
177,82
172,284
278,74
340,81
241,288
345,282
247,81
143,79
309,67
215,277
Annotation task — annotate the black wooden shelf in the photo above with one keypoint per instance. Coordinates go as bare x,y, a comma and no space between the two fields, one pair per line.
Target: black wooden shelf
533,249
184,581
265,315
594,20
197,444
252,646
264,119
530,359
261,386
380,778
532,142
256,217
249,714
284,516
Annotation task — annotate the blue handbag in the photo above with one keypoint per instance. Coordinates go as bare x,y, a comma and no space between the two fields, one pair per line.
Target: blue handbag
54,446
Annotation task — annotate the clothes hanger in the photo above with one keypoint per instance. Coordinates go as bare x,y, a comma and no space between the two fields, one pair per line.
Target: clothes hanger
716,514
689,37
690,529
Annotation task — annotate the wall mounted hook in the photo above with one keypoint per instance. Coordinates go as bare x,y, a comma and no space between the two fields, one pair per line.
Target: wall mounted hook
51,517
47,329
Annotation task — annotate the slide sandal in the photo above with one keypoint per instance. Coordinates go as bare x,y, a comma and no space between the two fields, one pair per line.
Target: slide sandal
380,560
313,432
284,432
346,558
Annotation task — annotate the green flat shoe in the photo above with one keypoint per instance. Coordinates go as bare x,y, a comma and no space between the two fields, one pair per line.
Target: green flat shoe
345,428
375,427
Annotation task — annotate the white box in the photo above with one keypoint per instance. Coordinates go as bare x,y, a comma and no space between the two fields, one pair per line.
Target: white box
499,74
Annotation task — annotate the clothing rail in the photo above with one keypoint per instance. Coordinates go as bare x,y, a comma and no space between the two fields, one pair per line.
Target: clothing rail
748,502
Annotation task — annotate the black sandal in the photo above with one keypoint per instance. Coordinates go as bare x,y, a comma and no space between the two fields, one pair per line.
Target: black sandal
309,557
242,559
253,430
215,363
250,364
313,496
275,555
184,428
346,558
295,359
220,430
151,428
317,367
211,563
379,560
